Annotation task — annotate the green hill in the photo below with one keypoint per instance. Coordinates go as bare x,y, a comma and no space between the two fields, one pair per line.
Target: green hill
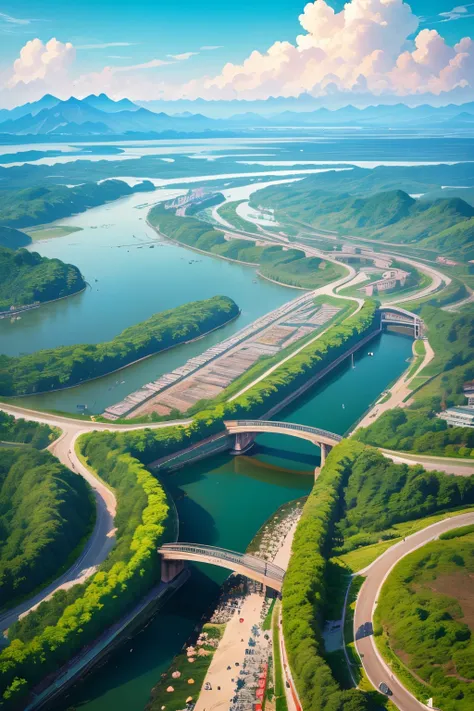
444,225
45,511
13,239
26,277
39,205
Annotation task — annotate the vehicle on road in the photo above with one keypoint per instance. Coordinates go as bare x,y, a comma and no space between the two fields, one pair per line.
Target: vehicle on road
385,689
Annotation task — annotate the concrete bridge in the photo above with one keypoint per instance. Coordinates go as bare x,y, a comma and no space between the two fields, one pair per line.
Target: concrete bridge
396,316
173,556
246,430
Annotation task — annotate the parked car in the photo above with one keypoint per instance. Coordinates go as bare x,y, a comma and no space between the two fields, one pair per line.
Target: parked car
385,689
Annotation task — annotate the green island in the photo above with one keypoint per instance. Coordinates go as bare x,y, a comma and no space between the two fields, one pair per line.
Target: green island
228,212
443,225
287,266
45,511
27,278
64,366
39,205
424,621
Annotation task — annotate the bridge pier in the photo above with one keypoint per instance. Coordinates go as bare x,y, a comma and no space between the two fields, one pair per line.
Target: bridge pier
170,569
244,442
325,449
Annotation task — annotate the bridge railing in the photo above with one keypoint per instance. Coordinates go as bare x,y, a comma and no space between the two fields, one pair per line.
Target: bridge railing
283,425
270,570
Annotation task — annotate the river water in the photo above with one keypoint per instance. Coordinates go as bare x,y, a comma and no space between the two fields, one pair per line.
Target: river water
129,282
223,501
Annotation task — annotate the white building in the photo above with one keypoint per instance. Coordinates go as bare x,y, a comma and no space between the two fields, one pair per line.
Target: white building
462,416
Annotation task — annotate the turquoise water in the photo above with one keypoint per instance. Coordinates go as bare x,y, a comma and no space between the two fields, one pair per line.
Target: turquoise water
223,501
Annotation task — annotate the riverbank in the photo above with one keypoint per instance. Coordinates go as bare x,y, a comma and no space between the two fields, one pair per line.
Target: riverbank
245,647
399,394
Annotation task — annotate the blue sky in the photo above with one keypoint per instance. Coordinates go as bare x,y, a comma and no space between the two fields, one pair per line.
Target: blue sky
150,31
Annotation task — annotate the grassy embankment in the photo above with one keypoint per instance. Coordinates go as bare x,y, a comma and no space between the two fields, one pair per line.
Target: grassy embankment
424,623
196,672
286,266
279,700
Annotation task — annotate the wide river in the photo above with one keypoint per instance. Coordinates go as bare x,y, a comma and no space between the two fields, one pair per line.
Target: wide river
128,283
223,500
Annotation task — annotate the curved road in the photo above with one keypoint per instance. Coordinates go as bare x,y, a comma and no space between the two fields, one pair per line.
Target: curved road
102,538
375,574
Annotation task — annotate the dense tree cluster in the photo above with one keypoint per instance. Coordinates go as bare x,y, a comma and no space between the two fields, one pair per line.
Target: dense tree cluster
61,631
380,493
25,432
26,277
63,366
45,510
39,205
288,266
13,239
304,590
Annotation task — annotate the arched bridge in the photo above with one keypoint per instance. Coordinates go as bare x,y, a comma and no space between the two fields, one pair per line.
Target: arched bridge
397,316
246,430
248,565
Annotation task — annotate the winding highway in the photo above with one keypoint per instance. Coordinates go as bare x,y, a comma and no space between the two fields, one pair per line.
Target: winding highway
375,575
102,538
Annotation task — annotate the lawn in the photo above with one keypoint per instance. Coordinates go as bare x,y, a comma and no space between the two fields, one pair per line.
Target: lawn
425,619
196,671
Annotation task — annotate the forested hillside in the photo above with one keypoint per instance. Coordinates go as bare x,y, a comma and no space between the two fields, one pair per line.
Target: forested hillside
19,431
67,365
13,239
26,277
38,205
445,225
45,511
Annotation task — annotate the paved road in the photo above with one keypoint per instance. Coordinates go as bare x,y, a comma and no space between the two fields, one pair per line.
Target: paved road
102,538
375,574
449,465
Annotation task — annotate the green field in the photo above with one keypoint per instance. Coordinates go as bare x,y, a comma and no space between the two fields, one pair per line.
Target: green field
425,619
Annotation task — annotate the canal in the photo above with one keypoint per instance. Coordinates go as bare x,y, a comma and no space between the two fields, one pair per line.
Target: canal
223,501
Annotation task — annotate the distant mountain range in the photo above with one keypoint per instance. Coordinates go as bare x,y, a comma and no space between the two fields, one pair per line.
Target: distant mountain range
101,116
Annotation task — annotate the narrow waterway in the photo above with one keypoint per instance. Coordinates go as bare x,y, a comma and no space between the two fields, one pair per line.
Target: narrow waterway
223,501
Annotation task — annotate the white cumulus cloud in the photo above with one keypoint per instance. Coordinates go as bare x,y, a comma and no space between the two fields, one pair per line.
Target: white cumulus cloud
38,61
366,47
